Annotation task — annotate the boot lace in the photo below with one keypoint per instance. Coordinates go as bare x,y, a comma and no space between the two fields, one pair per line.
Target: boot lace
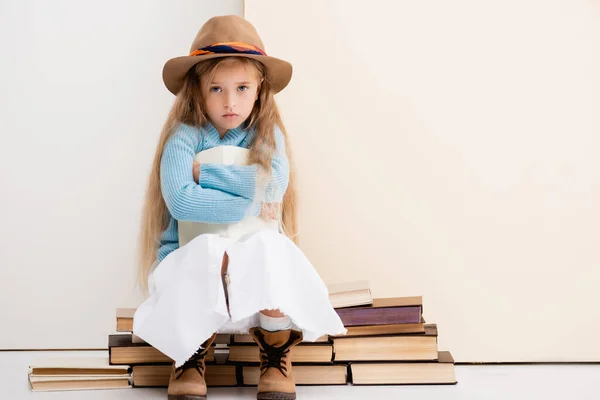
274,357
194,362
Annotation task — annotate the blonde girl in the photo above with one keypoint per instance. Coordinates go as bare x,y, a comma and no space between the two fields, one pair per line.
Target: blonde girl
242,271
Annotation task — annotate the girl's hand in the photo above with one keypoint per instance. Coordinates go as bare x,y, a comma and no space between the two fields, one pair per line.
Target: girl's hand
270,211
196,171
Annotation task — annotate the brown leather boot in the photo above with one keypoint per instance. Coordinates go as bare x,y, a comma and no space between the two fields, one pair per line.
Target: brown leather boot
276,380
187,382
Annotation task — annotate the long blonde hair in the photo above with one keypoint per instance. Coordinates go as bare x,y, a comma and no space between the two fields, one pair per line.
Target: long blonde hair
189,109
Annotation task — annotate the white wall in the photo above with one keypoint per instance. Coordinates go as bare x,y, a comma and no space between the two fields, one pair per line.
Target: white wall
450,149
81,106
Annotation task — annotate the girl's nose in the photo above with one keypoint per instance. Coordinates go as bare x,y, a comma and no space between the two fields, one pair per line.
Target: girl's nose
229,101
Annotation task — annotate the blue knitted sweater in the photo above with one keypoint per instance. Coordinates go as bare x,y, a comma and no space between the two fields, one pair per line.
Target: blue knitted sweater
225,192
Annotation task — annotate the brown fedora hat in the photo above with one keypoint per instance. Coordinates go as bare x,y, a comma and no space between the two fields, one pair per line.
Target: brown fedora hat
226,36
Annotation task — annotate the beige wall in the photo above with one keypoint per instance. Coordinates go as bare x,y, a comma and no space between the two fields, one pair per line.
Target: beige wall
450,150
81,106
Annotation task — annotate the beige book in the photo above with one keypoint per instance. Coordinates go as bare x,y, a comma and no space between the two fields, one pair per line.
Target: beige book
122,351
410,301
137,355
226,155
304,375
398,373
125,319
158,375
304,353
388,348
245,338
145,355
45,384
377,330
76,373
350,294
76,366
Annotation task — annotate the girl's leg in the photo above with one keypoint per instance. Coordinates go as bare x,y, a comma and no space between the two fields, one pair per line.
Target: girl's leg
274,320
275,338
273,313
187,382
276,380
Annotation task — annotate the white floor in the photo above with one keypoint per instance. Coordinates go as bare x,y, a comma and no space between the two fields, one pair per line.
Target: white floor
527,382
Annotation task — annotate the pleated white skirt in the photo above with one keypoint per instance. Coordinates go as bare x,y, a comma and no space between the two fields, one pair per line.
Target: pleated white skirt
187,303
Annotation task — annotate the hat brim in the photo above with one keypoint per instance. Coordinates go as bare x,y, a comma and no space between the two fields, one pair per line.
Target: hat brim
279,72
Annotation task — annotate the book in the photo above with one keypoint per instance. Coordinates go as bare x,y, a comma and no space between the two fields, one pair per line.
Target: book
122,351
125,319
66,366
350,294
405,373
388,347
307,353
76,373
225,155
221,354
379,330
245,338
158,375
385,311
125,325
304,374
47,384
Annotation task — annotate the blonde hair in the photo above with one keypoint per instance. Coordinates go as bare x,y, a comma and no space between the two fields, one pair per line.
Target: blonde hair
189,109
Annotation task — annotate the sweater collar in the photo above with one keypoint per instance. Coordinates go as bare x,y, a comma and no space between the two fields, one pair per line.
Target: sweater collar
232,136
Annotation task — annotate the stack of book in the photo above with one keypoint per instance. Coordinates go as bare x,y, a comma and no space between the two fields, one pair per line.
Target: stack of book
77,373
233,360
387,343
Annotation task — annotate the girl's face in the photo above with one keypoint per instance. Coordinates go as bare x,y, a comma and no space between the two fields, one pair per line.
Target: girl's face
231,95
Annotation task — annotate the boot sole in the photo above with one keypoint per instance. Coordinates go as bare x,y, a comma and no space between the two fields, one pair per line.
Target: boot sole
276,396
186,397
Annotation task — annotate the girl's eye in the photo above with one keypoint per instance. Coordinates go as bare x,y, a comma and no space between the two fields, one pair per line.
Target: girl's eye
215,89
243,88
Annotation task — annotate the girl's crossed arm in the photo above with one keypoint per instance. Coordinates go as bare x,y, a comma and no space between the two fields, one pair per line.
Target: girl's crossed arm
188,201
240,180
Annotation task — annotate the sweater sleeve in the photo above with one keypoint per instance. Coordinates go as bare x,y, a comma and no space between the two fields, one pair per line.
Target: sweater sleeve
185,199
241,180
169,240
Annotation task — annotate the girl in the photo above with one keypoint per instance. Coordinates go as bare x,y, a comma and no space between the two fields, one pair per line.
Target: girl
243,272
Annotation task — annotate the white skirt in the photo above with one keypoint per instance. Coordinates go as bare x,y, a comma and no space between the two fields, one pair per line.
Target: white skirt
267,271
